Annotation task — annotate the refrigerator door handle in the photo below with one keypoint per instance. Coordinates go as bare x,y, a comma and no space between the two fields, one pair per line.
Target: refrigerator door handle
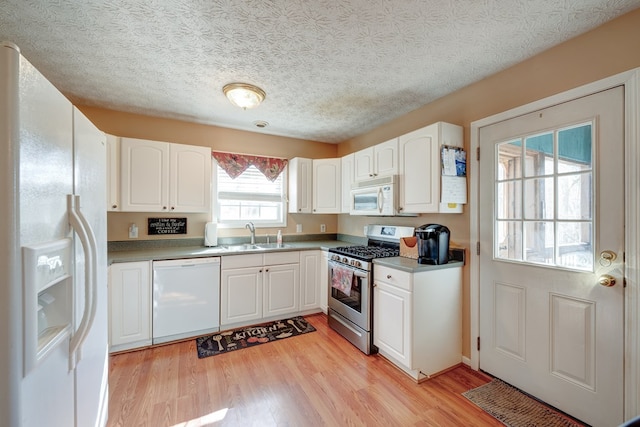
81,226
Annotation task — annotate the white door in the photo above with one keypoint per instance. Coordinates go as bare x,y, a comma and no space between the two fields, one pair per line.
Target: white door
326,185
90,174
551,234
189,178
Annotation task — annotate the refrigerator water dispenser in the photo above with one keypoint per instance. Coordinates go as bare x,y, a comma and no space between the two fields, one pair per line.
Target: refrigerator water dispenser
47,279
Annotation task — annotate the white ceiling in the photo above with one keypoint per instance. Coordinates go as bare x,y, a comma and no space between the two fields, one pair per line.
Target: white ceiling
332,69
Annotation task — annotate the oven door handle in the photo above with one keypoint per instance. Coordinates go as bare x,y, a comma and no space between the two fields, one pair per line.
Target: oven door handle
380,200
356,273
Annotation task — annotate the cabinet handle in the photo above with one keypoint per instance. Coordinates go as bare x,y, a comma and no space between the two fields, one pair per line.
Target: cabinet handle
388,276
114,206
173,207
267,270
260,271
164,208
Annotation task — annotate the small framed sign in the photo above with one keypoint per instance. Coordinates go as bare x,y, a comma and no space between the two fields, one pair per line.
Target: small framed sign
162,226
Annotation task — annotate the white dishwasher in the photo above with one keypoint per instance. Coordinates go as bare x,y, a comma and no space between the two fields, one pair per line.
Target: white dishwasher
186,298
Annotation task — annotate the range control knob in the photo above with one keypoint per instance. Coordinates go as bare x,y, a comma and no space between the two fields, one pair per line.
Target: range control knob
345,260
357,264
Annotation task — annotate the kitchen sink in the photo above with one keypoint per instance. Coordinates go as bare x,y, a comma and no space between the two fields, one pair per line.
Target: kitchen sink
245,247
256,247
272,245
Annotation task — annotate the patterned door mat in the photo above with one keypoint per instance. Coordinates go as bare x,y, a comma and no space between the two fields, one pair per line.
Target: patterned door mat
514,408
249,336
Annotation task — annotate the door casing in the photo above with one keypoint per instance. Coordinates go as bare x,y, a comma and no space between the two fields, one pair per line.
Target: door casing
631,82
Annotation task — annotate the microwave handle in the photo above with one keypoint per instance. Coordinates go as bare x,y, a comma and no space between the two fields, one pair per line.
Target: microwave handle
380,200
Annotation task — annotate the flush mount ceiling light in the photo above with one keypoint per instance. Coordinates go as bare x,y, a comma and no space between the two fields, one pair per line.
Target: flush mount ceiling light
244,95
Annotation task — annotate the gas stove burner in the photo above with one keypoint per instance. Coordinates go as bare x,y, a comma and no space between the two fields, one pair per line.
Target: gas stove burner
367,252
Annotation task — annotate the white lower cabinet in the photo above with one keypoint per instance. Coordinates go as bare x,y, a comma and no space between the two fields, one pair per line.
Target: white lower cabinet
258,286
417,318
129,305
392,331
324,282
310,280
240,295
281,289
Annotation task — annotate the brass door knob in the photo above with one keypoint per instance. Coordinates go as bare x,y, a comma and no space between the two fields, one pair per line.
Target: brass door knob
607,280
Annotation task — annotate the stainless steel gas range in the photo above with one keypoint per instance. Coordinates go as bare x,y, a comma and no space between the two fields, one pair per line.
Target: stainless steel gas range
351,283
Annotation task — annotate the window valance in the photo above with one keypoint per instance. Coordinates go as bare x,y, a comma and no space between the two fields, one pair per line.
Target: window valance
234,164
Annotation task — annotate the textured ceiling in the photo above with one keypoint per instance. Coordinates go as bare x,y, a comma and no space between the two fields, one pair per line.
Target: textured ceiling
332,69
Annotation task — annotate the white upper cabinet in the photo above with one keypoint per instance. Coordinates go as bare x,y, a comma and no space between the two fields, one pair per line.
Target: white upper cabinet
419,168
300,176
164,177
113,173
189,178
326,186
347,180
379,160
386,158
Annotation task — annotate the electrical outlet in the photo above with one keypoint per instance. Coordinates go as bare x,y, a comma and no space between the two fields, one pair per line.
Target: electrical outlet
133,231
298,228
365,230
323,228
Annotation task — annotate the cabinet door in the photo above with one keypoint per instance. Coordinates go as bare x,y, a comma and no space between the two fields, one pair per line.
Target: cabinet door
392,322
310,280
386,158
324,281
326,186
419,183
363,164
129,305
113,173
300,187
240,295
347,179
281,289
189,178
144,173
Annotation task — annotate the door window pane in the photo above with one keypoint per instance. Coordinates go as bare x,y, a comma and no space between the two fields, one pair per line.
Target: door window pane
574,149
509,200
544,216
509,240
539,242
509,160
539,155
538,197
575,245
574,196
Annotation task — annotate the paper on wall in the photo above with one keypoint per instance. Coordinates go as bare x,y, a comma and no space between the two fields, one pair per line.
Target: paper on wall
454,189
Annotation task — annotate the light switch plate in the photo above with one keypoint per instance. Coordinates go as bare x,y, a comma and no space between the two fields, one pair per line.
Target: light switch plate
298,228
323,228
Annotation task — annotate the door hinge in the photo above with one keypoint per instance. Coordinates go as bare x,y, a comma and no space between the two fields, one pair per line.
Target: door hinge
478,346
478,154
477,248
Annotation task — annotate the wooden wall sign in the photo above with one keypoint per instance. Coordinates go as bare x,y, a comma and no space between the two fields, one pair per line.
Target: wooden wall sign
162,226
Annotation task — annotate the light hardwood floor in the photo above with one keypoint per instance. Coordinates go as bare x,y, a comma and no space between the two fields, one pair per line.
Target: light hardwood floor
317,379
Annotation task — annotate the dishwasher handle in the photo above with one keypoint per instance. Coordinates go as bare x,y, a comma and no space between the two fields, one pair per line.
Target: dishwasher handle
187,262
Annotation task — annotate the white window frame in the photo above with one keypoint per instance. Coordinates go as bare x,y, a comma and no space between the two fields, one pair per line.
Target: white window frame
242,222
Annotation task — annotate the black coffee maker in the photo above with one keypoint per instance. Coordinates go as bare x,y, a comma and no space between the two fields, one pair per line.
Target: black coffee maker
433,244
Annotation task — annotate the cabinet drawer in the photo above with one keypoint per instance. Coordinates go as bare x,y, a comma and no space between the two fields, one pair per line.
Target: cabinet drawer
400,279
240,261
275,258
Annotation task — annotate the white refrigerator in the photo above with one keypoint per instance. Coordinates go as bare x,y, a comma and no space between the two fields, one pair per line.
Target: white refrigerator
53,277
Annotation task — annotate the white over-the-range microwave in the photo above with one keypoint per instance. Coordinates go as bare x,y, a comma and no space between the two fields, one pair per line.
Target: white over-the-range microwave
375,197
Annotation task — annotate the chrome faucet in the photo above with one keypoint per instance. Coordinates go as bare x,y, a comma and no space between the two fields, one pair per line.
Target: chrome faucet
252,229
